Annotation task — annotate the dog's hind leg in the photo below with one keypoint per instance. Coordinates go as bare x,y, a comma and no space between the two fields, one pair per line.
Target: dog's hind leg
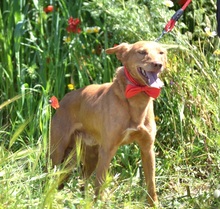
63,143
89,159
105,156
59,140
62,139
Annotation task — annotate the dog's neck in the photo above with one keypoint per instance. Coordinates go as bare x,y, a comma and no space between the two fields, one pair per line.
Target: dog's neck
130,78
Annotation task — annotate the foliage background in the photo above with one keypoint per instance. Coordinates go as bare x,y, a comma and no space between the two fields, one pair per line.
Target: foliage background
39,58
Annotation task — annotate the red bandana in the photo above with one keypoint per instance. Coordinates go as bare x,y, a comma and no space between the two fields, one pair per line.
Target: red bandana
135,88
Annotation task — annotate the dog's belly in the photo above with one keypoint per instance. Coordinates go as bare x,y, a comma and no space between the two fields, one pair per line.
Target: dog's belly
88,139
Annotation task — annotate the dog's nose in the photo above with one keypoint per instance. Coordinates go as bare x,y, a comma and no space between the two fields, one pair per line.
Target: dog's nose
157,65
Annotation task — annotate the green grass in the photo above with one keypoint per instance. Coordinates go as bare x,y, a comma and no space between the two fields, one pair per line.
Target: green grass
39,58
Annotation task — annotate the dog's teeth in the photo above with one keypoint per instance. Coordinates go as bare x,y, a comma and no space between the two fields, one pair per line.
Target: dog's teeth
143,72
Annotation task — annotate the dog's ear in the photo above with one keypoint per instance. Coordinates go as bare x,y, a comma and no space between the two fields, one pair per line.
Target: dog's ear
119,50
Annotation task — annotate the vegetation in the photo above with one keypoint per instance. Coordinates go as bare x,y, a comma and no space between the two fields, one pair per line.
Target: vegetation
45,52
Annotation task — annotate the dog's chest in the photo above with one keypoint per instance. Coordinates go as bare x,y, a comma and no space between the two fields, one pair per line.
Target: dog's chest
141,123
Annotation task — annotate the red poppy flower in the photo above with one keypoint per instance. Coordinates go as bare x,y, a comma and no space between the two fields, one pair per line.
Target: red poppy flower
54,102
73,25
48,9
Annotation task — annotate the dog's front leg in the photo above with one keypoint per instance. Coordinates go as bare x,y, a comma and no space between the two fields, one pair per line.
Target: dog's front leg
105,157
148,161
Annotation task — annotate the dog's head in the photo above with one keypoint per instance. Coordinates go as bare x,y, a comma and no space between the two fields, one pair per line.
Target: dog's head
144,61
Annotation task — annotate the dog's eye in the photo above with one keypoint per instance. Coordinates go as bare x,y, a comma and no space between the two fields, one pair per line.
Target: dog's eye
142,52
161,52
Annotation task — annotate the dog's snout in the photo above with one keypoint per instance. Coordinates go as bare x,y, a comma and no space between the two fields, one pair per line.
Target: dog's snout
157,65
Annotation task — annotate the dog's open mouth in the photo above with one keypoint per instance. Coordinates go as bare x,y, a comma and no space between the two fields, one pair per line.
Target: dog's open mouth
151,78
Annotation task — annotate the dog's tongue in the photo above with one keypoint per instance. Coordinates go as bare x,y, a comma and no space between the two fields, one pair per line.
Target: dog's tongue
153,80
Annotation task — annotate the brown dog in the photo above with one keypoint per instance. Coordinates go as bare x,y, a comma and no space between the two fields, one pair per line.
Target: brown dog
113,114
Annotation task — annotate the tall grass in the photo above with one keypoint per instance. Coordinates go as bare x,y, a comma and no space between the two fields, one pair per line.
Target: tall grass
39,58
